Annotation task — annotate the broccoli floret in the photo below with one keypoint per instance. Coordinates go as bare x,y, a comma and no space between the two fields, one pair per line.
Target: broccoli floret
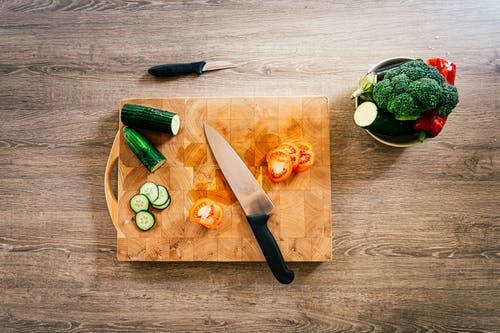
412,88
448,100
426,92
382,93
404,107
400,83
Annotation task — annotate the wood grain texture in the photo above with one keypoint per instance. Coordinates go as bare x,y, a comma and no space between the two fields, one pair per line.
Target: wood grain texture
301,220
415,232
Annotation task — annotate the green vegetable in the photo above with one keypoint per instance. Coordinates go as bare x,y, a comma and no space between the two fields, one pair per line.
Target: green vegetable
368,116
163,197
144,220
145,151
139,202
139,116
365,87
150,190
150,195
412,88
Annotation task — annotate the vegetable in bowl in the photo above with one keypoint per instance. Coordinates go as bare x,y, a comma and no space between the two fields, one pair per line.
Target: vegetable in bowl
412,88
402,101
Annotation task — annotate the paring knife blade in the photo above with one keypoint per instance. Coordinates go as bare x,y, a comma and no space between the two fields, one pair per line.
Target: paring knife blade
253,200
169,70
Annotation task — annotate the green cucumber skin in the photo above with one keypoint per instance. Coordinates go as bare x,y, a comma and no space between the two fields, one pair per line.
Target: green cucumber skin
150,215
145,151
148,118
165,205
131,203
386,124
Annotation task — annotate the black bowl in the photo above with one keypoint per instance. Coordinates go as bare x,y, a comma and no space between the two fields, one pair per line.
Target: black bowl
390,140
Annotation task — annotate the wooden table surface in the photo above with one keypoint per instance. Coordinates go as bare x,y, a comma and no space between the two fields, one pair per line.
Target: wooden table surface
416,242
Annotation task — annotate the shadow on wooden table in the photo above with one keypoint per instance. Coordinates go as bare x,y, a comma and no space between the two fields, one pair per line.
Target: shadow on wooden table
238,273
354,155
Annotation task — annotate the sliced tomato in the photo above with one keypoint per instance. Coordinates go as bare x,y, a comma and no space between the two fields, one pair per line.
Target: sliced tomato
207,213
279,164
294,152
306,156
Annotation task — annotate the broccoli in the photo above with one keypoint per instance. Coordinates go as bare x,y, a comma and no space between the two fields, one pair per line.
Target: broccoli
412,88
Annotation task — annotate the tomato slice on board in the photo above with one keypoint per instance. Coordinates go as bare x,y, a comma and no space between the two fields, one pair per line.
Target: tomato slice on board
294,152
207,213
306,156
279,164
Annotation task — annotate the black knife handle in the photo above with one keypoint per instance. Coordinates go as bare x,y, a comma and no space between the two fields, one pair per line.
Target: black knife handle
270,248
168,70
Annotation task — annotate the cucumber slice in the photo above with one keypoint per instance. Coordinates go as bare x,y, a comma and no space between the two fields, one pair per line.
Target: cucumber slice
367,115
150,190
144,220
163,196
139,202
165,205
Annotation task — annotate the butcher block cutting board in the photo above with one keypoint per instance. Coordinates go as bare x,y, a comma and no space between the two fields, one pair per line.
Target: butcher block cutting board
301,220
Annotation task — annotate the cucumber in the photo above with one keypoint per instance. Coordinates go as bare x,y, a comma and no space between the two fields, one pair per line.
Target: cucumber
150,190
367,115
163,196
160,207
150,195
144,220
139,202
145,151
139,116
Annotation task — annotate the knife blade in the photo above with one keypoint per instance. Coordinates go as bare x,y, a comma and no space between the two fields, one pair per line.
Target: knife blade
253,200
169,70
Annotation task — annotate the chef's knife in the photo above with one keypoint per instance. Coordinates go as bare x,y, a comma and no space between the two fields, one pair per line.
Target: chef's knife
252,198
169,70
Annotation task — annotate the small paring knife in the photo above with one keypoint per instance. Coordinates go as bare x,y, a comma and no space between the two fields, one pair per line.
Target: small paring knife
171,70
253,200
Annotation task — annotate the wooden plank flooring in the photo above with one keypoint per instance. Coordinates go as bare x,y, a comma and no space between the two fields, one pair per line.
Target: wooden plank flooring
415,231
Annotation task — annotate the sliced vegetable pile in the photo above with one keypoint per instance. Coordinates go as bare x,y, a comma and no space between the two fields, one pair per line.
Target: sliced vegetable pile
414,97
295,156
150,195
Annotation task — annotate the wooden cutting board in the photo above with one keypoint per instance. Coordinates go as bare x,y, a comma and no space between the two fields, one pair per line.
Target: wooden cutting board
301,221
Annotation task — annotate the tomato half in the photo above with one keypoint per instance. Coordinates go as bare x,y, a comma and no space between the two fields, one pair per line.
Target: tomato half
294,152
207,213
279,164
306,156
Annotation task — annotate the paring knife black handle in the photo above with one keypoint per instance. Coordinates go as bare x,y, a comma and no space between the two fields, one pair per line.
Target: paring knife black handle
169,70
270,248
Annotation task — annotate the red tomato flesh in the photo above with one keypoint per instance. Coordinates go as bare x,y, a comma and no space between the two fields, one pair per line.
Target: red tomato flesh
306,156
207,213
294,152
279,165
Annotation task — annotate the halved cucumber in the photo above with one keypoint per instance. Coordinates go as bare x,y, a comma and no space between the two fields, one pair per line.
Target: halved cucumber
144,220
369,116
150,190
163,196
139,202
150,118
145,151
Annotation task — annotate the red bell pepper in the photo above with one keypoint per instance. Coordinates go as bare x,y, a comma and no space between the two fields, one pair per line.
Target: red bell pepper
430,123
445,67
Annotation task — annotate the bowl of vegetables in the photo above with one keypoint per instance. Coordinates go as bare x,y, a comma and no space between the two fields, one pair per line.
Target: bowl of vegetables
404,101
